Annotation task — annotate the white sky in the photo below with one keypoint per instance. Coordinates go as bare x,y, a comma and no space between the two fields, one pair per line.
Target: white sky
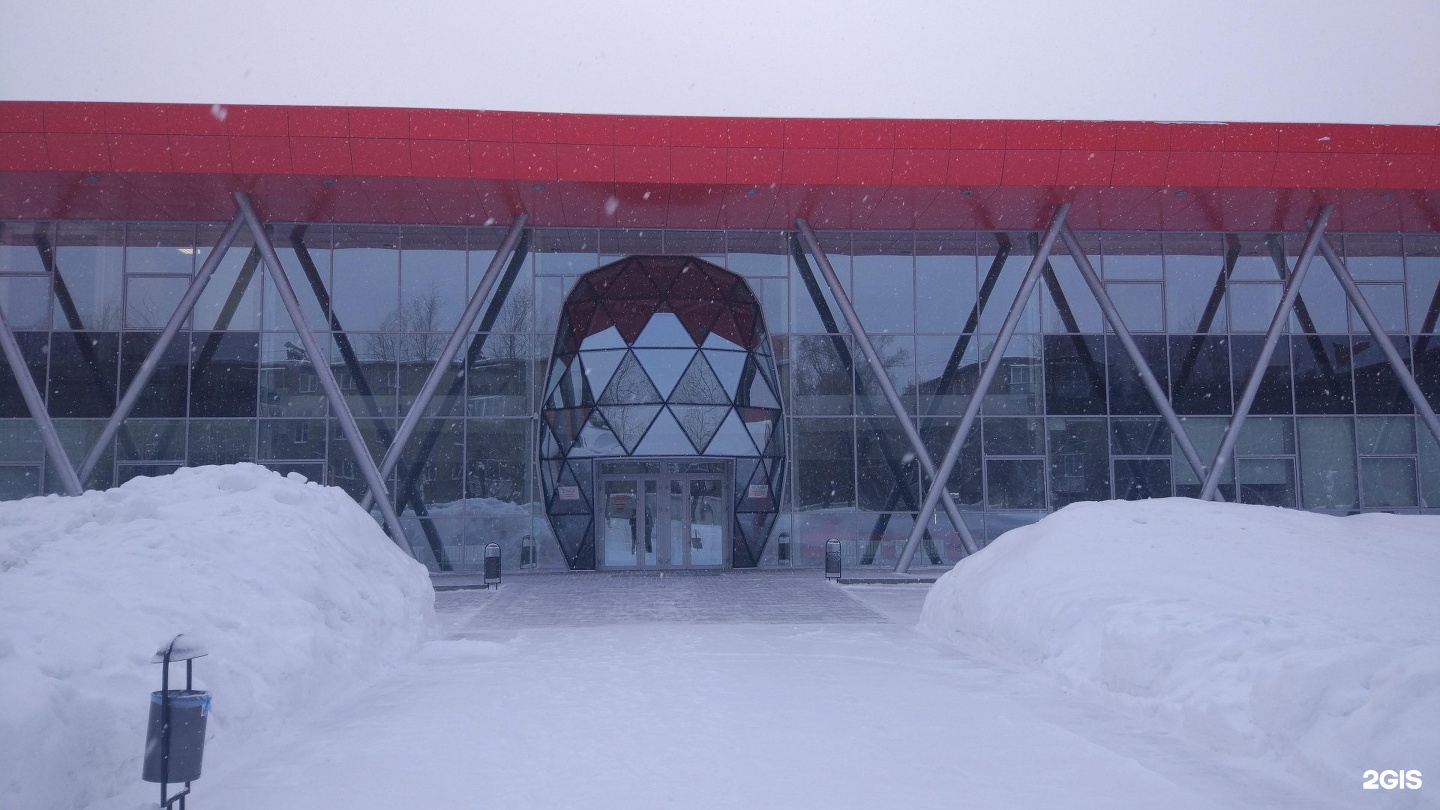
1323,61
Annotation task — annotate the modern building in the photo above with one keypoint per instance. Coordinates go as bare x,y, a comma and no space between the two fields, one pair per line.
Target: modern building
636,342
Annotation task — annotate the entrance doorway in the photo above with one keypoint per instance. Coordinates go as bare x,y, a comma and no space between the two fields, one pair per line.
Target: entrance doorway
663,513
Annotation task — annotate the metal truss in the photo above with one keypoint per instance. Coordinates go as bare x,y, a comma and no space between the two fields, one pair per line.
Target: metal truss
1272,337
987,375
323,372
54,448
882,378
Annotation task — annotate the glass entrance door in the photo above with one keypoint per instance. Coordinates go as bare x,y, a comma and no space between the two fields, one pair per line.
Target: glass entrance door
662,515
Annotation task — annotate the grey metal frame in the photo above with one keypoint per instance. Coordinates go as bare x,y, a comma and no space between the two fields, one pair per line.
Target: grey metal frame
1377,331
1147,376
1272,337
162,342
452,347
348,425
883,378
54,449
987,375
663,518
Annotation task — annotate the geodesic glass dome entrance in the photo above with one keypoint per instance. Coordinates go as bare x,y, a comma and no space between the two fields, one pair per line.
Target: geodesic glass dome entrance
661,362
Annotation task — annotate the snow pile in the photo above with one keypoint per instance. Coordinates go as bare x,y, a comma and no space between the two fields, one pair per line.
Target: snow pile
1308,640
295,591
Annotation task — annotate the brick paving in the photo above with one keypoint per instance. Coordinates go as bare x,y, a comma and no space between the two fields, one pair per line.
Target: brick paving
594,599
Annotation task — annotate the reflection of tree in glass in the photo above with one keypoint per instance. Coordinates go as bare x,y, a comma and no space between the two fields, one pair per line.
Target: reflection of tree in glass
413,332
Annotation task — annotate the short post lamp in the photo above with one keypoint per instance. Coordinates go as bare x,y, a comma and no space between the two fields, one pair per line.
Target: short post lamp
492,565
175,740
832,559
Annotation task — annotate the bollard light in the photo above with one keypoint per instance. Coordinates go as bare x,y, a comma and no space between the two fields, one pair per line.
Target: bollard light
492,565
832,559
175,739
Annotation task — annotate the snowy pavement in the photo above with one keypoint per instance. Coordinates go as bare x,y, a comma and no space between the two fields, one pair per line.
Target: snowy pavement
747,689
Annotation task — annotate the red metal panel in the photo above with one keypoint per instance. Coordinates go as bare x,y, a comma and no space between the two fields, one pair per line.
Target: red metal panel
1247,169
1096,136
920,167
256,120
922,134
1033,135
1197,137
864,167
488,125
535,161
495,160
379,122
1193,168
533,127
23,151
200,154
1031,167
22,116
323,156
975,167
811,133
435,158
642,130
140,153
585,129
444,125
585,162
145,119
75,151
867,134
753,166
977,134
1138,168
809,166
695,164
319,122
650,164
1085,167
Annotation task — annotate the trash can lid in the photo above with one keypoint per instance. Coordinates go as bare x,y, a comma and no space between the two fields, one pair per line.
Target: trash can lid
181,649
182,698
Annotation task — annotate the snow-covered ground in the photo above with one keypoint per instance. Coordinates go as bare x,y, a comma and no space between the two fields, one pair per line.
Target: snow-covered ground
295,591
1154,654
1302,640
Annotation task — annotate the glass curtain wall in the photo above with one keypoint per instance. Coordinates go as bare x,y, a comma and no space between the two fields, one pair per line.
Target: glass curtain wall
1066,418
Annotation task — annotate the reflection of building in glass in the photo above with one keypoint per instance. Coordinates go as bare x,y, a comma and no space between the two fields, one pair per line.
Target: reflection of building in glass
384,256
661,356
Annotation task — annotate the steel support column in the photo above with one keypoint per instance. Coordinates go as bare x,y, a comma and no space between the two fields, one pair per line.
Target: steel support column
1147,377
1272,336
452,347
54,450
348,425
882,377
162,342
987,375
1377,330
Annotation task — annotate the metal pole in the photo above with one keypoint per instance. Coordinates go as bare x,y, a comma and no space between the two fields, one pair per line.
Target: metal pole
883,378
363,459
987,375
1272,336
1107,306
1372,323
54,450
452,347
152,360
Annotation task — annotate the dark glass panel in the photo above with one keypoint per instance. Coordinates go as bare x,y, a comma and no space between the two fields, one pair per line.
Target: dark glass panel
1387,301
631,385
1327,462
1427,366
367,283
1374,256
231,300
165,394
1075,374
1322,374
1140,478
565,251
821,381
1079,461
368,370
824,463
1386,435
1388,482
78,436
1015,483
35,347
344,472
150,301
498,375
1127,391
1139,437
1068,306
221,441
897,357
1132,255
1253,306
125,472
432,470
1274,394
946,383
1422,268
83,374
19,482
153,440
1267,481
1200,374
289,385
1266,436
1429,470
88,264
945,292
698,421
26,300
498,455
1195,283
433,288
1014,437
1018,386
885,291
756,253
224,373
304,252
1007,283
1377,388
20,441
881,452
17,246
292,439
966,482
1141,306
1257,253
1205,433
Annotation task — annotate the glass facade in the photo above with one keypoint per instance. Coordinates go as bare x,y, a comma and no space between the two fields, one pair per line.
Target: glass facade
1066,418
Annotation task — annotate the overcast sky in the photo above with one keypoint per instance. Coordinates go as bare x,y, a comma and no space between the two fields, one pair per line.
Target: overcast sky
1324,61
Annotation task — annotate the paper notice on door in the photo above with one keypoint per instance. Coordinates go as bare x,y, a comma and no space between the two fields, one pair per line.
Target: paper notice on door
569,493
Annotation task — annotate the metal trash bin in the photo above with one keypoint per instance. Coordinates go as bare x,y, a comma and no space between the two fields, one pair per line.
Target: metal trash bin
832,558
187,709
492,565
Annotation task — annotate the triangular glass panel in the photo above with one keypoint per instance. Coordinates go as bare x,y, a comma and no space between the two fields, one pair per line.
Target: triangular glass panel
665,366
583,291
579,314
731,439
630,421
663,272
697,317
776,447
629,385
601,279
728,366
607,338
600,366
549,448
566,387
632,282
744,474
572,533
723,280
699,386
741,292
759,395
715,341
700,421
725,329
664,331
759,423
566,424
745,320
597,439
762,342
692,283
630,317
665,438
584,471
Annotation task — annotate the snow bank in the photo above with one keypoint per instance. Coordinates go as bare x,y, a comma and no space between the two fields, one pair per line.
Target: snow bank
295,591
1307,639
